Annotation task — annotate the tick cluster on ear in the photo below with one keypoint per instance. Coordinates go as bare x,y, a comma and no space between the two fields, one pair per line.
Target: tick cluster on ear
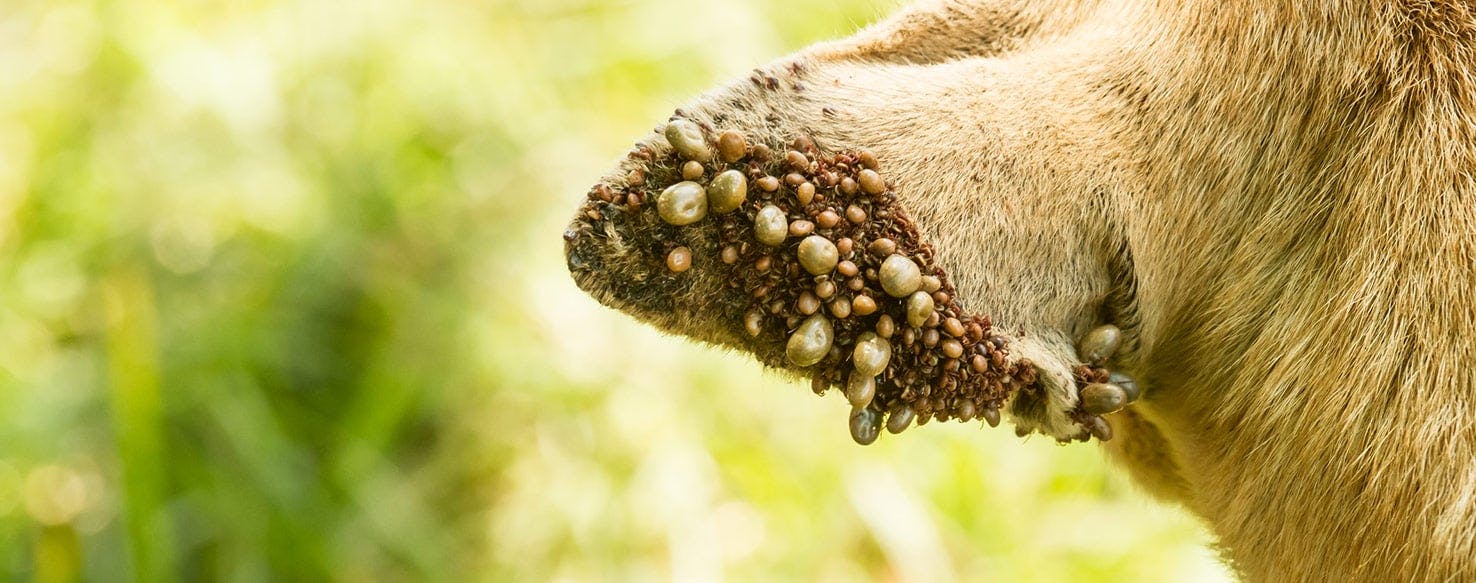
820,257
1101,391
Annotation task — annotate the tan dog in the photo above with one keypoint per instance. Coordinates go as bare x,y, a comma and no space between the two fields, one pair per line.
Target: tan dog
1276,201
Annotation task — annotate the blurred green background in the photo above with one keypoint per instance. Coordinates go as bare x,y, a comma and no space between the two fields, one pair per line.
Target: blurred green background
282,297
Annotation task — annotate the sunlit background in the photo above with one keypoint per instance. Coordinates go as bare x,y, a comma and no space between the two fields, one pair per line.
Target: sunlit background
282,296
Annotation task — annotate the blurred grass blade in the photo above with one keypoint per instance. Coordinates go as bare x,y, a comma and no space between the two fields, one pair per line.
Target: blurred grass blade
138,420
58,555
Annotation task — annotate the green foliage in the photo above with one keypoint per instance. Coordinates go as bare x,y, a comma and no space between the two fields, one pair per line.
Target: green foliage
282,296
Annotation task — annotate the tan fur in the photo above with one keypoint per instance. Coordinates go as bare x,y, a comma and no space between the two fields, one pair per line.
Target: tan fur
1276,200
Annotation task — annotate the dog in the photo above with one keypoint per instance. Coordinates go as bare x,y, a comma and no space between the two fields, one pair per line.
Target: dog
1271,205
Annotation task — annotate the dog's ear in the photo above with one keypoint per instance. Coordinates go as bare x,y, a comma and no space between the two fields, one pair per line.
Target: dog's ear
934,31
